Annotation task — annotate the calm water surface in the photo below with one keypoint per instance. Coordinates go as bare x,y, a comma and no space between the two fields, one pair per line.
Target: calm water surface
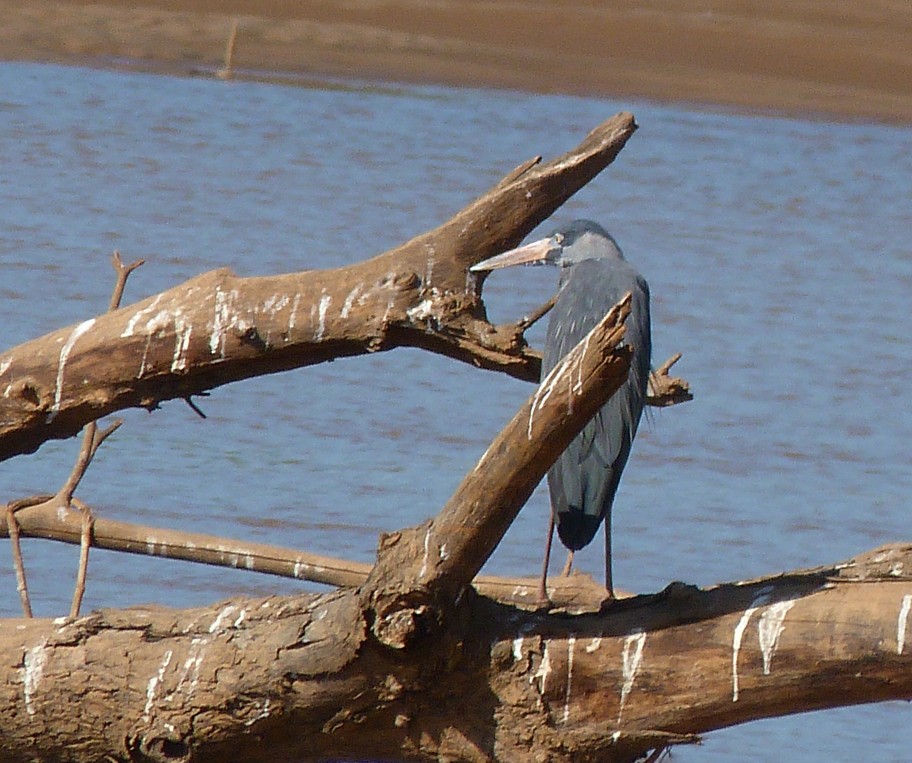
779,257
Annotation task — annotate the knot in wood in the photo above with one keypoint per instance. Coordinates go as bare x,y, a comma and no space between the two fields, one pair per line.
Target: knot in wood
28,391
399,628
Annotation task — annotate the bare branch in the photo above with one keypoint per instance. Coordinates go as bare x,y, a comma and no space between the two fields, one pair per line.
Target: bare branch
442,557
41,519
665,390
218,328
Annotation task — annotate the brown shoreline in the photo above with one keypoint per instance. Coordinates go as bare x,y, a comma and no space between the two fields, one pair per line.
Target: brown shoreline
841,59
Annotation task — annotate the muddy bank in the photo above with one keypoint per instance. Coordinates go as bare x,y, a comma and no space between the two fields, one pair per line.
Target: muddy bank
843,59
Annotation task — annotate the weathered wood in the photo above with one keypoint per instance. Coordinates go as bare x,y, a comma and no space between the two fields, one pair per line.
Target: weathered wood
457,542
45,519
218,328
302,678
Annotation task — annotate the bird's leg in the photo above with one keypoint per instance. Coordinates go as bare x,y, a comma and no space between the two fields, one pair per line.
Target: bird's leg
568,565
609,582
543,599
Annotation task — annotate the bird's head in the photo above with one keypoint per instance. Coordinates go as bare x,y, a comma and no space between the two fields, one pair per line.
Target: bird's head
578,241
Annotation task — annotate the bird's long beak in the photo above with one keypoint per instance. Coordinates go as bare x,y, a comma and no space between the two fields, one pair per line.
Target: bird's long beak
531,254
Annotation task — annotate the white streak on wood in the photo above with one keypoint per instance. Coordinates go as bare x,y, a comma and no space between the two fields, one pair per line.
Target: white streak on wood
421,311
518,648
4,365
631,658
152,686
769,629
759,600
293,316
594,645
224,317
571,647
389,308
217,624
321,325
61,364
263,713
519,641
138,316
191,668
544,670
350,300
578,387
275,303
183,328
142,365
427,554
546,388
901,623
33,664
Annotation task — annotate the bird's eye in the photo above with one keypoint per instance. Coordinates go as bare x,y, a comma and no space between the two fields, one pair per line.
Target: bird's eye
559,239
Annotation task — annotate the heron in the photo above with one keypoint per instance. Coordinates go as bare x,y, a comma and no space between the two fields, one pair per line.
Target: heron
593,277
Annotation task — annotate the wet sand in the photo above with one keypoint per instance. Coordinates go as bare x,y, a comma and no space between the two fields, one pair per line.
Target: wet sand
841,58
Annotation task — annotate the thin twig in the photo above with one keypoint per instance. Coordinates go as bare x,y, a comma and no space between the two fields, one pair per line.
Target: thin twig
85,542
104,434
123,273
524,323
194,407
18,565
82,463
91,440
657,754
13,530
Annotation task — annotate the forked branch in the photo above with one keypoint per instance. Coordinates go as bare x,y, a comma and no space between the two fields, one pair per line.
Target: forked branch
219,328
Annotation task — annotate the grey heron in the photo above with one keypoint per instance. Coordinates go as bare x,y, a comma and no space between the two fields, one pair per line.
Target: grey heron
593,276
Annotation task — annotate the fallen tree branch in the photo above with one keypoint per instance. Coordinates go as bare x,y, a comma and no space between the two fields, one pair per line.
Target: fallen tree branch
404,599
38,517
299,677
218,328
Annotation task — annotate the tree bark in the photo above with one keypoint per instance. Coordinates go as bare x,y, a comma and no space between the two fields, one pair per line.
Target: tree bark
303,678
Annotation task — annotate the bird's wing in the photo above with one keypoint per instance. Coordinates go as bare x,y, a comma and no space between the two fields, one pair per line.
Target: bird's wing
585,478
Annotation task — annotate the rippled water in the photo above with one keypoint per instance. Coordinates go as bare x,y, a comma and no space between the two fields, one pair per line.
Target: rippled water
780,263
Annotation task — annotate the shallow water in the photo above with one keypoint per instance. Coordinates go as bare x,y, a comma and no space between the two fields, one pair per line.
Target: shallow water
779,261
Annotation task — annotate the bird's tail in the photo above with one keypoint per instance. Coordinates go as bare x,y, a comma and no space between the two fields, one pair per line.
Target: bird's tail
575,528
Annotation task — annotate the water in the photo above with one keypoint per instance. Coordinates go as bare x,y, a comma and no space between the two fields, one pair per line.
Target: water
779,261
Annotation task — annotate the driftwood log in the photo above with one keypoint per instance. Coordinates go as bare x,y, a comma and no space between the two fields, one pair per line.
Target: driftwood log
408,659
